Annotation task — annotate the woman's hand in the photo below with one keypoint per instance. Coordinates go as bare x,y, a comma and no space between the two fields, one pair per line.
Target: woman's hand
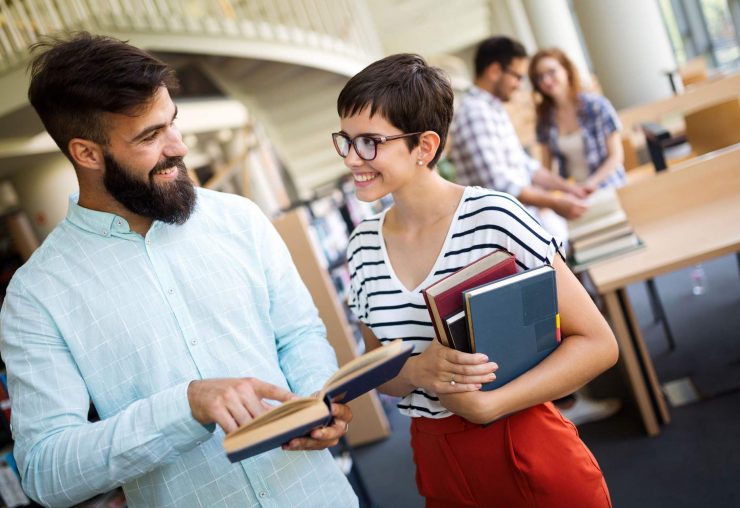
589,186
441,369
476,407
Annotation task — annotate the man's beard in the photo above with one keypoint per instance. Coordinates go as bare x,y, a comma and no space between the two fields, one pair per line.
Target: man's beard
170,202
500,92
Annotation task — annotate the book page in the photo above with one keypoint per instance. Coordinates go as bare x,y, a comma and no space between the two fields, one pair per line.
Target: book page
362,363
279,412
306,413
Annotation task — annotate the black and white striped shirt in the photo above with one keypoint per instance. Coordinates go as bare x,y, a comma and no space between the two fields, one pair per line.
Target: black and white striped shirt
484,221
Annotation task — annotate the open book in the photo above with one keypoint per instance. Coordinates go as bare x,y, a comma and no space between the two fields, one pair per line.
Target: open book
299,416
604,212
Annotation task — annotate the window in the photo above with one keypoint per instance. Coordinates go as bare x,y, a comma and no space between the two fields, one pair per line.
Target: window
704,28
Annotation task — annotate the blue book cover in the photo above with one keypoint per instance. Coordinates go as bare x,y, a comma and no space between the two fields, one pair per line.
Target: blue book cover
299,416
514,321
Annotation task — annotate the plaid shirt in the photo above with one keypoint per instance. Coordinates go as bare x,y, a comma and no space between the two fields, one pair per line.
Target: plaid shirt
485,148
598,121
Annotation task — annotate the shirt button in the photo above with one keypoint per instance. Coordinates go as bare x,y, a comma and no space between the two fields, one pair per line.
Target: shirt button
194,341
120,223
171,291
105,232
148,241
263,494
198,443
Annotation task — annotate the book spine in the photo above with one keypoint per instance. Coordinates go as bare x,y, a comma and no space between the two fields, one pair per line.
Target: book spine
436,319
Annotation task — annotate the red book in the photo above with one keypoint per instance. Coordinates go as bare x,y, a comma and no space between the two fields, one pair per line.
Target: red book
444,298
4,403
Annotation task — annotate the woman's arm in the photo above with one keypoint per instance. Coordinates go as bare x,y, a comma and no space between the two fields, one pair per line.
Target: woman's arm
434,368
545,156
610,164
588,348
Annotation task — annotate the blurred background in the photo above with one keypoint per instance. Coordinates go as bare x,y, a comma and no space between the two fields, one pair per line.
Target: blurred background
259,82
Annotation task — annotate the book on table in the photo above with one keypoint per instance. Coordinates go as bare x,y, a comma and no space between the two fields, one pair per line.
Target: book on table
514,321
299,416
602,232
604,211
624,243
444,297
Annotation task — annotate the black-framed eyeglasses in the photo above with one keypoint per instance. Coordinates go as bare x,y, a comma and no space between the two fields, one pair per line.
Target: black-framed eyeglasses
366,145
514,74
547,73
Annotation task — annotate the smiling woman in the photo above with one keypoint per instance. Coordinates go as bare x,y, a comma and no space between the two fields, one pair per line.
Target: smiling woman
579,130
433,228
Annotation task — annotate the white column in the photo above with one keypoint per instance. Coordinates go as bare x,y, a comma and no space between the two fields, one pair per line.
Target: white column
509,18
629,49
553,26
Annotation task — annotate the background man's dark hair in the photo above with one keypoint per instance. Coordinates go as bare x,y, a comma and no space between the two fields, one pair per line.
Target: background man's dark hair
77,78
501,50
407,92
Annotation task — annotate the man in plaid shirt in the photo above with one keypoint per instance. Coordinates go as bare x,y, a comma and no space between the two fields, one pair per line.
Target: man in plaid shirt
486,151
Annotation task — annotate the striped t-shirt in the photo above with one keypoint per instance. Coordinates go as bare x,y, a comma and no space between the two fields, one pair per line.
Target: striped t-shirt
484,221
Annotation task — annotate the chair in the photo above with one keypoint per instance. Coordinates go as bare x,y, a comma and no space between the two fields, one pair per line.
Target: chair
693,71
631,159
714,127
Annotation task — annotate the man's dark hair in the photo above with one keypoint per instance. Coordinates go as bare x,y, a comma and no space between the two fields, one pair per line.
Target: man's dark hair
76,79
407,92
501,50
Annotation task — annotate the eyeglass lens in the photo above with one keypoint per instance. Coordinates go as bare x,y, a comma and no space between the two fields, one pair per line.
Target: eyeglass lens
364,146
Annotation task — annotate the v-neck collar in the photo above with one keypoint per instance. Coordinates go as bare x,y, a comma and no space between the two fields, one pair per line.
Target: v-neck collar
428,279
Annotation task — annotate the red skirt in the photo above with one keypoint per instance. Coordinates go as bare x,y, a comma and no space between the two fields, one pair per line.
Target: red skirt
533,458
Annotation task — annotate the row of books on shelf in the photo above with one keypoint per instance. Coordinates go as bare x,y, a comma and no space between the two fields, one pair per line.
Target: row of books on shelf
485,307
602,232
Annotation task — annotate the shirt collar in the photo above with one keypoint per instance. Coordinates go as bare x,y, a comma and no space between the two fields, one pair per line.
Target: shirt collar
94,221
478,92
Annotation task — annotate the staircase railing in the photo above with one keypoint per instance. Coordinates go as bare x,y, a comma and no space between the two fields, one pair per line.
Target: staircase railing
341,27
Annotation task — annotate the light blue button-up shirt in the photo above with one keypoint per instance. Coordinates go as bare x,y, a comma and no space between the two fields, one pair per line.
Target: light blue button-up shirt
101,313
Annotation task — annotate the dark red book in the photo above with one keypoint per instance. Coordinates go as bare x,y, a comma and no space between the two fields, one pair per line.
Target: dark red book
4,403
444,298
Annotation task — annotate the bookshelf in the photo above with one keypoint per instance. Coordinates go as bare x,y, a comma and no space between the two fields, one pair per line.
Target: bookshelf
369,423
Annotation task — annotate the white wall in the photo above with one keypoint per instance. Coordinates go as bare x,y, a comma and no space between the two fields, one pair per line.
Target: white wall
43,189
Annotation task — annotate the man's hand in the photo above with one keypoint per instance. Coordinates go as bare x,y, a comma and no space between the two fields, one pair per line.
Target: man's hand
232,402
580,191
569,207
441,369
324,437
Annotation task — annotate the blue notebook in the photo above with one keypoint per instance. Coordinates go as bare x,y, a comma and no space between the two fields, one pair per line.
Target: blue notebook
514,321
299,416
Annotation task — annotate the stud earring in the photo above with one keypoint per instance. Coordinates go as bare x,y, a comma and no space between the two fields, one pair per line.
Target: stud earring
419,162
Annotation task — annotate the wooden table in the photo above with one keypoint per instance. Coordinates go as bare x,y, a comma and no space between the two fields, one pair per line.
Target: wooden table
669,112
685,215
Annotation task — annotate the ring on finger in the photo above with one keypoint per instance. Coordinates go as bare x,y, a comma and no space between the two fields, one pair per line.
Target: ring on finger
452,380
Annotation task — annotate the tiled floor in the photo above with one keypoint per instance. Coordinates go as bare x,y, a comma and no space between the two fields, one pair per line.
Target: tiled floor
695,461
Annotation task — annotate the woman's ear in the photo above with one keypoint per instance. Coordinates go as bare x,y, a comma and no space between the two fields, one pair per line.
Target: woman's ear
428,145
86,154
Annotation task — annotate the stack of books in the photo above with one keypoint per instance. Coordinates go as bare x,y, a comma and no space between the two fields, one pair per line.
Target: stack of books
488,307
603,231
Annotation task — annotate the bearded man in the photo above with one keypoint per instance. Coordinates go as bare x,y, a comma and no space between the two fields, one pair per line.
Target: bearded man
176,311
